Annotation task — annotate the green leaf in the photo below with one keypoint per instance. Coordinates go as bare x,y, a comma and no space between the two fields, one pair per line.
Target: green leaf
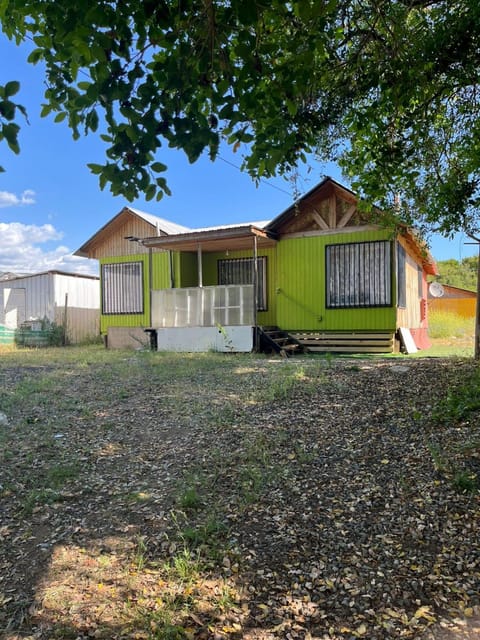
11,88
95,168
158,167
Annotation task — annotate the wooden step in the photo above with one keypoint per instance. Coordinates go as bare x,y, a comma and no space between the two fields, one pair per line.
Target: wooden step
346,341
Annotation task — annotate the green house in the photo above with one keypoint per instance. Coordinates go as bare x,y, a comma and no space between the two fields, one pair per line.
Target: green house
318,275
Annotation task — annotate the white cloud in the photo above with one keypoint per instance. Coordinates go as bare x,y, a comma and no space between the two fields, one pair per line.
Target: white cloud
21,250
8,199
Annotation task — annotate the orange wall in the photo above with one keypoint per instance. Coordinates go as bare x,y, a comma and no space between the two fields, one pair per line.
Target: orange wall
461,306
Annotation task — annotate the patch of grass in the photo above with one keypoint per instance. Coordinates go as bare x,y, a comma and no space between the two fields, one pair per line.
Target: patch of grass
207,534
460,401
444,324
38,497
289,381
465,482
59,475
139,556
190,499
184,567
439,462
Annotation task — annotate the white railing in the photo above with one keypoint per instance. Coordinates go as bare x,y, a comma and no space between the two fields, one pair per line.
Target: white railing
228,305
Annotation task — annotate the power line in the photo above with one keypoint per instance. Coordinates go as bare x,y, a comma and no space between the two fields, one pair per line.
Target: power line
273,186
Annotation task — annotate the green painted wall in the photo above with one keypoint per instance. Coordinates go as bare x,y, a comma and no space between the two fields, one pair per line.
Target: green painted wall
188,270
210,277
300,287
160,277
295,284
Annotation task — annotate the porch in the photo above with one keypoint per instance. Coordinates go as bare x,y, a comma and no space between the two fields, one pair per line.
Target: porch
214,318
223,314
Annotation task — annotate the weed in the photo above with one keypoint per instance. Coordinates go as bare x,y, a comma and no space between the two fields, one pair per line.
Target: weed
139,556
37,497
226,600
59,475
438,459
190,499
207,536
184,567
460,401
465,482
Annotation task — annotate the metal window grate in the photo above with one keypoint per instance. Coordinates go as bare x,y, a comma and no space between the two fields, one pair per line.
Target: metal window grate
359,274
122,288
241,271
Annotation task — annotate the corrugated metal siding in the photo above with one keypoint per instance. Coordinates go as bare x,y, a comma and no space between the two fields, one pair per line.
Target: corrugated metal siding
301,287
188,270
39,295
45,299
160,271
461,306
81,309
210,277
160,278
126,319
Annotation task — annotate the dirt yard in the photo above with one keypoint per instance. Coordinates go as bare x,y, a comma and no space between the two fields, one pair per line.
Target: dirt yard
151,496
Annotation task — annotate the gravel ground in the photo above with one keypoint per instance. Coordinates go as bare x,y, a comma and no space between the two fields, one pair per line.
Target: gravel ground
318,494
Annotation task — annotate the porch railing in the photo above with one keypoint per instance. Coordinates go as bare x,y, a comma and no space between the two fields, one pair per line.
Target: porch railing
227,305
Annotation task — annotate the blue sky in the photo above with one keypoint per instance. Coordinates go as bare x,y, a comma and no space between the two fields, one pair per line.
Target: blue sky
50,203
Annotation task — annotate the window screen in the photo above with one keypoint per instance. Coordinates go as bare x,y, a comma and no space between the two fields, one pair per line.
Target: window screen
359,274
122,288
240,271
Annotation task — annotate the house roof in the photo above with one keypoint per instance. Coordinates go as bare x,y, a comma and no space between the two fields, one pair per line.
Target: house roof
171,236
50,272
319,189
163,225
233,237
160,226
455,292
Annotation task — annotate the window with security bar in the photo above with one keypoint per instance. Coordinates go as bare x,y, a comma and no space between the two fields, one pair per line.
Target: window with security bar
122,288
359,274
241,271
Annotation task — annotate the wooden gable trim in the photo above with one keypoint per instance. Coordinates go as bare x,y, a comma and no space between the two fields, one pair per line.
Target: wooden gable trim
330,232
319,220
330,208
347,216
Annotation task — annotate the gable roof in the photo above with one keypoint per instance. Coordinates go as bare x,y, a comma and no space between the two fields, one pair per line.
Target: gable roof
329,206
159,226
331,217
165,226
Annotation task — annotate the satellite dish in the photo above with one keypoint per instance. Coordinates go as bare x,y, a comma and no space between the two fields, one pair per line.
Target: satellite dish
436,290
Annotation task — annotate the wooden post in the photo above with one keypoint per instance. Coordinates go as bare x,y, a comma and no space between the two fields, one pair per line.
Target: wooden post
65,320
476,354
150,285
200,266
477,311
255,292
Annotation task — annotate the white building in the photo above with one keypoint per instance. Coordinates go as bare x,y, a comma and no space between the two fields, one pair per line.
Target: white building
68,299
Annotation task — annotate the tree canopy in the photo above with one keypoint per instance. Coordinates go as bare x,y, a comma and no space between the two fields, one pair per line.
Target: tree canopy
459,273
387,88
